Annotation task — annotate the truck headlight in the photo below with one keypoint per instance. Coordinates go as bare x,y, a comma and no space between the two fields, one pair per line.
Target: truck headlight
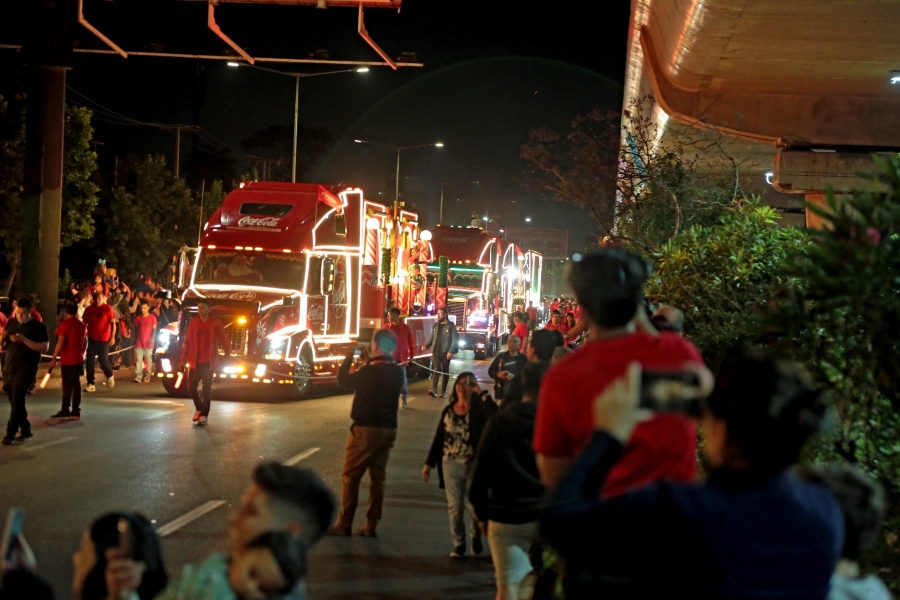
462,344
277,348
163,339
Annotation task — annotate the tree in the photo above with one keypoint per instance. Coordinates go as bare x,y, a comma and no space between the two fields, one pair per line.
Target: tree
639,189
79,189
275,147
149,218
724,276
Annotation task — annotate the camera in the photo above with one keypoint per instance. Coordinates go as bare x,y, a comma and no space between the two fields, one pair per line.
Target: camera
671,391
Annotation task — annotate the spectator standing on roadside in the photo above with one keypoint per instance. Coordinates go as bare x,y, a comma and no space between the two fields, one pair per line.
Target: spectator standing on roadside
443,343
146,285
373,432
71,345
506,489
405,350
532,313
453,452
521,329
199,356
101,332
26,339
144,337
506,365
543,344
168,313
554,324
608,286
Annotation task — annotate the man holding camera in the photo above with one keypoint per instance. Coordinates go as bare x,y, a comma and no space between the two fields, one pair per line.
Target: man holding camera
377,386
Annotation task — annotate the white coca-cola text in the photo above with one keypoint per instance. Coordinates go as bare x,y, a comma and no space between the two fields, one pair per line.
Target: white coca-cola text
316,313
258,222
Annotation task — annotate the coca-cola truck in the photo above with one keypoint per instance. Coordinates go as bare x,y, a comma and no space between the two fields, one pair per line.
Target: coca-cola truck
295,273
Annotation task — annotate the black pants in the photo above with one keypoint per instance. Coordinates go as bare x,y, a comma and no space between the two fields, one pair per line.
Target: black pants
71,387
441,364
17,390
101,351
195,376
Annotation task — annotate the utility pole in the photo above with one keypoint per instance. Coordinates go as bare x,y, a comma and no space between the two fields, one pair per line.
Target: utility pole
178,129
48,51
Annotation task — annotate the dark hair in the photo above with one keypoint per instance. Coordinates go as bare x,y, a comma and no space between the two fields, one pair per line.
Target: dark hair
385,339
769,405
608,284
145,548
203,301
394,311
544,342
302,489
71,308
463,375
143,302
555,311
24,302
532,375
862,503
289,553
662,324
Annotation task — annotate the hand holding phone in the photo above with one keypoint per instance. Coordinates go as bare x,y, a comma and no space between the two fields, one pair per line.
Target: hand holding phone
671,391
15,519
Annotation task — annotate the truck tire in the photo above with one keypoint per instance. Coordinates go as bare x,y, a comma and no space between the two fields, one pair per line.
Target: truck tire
304,369
181,392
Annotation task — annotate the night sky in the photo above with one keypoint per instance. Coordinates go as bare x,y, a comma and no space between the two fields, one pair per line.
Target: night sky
489,77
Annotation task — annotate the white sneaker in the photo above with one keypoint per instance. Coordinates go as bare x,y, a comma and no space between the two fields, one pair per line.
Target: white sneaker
111,382
137,379
90,388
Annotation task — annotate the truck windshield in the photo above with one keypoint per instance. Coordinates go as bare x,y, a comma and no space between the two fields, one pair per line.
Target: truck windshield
226,267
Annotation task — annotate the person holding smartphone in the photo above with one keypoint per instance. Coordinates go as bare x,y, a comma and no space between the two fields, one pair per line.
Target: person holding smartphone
26,339
506,366
376,386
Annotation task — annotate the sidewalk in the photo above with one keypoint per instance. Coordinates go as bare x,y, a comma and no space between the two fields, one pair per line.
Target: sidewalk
410,557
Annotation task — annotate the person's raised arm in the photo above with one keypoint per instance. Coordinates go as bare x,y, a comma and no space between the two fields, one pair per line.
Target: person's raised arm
345,378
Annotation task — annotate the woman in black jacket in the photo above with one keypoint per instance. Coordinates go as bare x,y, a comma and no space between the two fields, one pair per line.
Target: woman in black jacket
453,452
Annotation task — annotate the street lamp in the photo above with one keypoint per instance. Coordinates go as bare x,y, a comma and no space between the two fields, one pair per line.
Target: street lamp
397,176
297,77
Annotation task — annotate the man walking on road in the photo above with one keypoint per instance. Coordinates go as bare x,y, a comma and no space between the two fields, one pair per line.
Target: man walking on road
101,331
27,338
444,338
144,336
71,343
406,347
199,356
374,429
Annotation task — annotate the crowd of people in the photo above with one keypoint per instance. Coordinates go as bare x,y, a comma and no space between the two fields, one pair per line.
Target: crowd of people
588,455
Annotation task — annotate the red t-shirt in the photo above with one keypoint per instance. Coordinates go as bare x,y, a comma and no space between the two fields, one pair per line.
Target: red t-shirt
99,319
551,327
663,447
521,330
406,343
75,344
143,327
532,313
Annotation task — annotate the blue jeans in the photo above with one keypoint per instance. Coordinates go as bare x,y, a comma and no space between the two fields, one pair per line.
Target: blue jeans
456,484
141,355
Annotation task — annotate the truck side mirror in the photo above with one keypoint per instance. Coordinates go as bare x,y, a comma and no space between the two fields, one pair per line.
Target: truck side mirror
327,283
340,225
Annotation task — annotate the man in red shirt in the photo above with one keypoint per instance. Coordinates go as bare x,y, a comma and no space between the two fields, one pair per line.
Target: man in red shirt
608,286
555,324
532,313
521,330
101,332
145,335
71,343
405,349
199,356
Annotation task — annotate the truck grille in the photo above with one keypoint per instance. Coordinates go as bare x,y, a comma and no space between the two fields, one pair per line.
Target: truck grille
237,335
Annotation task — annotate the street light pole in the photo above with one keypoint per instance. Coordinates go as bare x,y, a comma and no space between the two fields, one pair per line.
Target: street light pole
397,183
397,173
296,119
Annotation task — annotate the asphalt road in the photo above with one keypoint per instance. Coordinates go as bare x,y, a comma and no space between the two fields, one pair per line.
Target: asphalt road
135,448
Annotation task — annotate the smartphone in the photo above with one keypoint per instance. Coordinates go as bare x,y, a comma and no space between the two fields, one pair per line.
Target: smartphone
15,519
124,528
357,352
653,389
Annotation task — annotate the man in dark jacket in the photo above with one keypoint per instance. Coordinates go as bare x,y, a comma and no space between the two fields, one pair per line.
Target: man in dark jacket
444,338
374,429
506,487
507,365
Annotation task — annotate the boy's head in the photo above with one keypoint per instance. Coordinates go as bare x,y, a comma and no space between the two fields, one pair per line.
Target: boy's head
268,567
608,285
145,307
862,503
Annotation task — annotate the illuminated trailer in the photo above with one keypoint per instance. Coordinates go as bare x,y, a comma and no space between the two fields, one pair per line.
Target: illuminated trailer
294,272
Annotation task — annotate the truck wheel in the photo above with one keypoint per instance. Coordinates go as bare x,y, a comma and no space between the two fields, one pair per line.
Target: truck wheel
303,375
181,392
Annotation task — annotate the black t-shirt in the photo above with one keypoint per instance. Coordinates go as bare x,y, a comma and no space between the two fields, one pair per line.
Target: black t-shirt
20,359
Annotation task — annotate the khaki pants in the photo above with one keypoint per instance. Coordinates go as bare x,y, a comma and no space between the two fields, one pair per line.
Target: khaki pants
368,448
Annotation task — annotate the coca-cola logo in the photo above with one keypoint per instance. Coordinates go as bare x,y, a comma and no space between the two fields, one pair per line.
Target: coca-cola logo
316,313
265,222
242,296
455,240
339,298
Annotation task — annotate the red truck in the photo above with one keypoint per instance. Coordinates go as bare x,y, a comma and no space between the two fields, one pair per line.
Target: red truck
295,273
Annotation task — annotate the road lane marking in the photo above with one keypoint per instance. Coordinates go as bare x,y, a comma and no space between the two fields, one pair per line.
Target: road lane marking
173,526
305,454
48,444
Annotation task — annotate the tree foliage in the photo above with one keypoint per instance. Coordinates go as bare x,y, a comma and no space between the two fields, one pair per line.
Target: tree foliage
639,186
149,218
724,276
79,192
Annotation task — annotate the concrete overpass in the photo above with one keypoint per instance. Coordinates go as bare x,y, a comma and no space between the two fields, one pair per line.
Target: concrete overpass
803,85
